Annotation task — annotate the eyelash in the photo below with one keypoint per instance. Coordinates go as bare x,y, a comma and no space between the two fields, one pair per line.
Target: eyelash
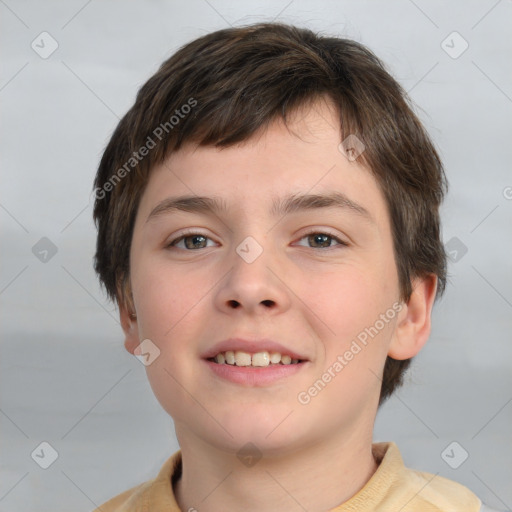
188,234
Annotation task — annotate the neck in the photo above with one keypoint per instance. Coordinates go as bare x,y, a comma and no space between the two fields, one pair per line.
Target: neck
314,478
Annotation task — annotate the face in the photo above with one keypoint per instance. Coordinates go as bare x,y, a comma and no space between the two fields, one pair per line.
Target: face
316,281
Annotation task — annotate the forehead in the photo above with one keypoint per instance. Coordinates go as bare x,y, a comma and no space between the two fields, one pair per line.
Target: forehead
302,156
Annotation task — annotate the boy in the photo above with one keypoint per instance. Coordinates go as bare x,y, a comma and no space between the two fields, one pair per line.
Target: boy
268,223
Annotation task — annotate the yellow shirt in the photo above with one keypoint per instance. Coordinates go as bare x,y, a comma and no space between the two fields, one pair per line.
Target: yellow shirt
392,487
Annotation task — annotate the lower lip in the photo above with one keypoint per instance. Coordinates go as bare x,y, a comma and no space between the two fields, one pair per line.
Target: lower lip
254,376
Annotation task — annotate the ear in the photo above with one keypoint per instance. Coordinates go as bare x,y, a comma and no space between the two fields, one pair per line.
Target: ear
413,325
128,319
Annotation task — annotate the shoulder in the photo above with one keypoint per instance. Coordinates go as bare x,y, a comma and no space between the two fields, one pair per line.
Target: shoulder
127,501
440,491
443,493
425,491
484,508
152,495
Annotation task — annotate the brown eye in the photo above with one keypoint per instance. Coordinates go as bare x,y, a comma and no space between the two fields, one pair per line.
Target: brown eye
319,240
192,241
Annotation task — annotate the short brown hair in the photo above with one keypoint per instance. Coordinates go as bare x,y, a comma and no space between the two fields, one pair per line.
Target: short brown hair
238,80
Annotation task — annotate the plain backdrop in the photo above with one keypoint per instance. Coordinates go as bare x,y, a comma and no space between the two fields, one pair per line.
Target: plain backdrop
66,378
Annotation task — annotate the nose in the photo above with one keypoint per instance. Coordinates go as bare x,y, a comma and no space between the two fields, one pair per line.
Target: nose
254,287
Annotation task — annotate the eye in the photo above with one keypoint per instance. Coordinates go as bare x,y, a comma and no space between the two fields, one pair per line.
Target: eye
321,240
190,241
315,240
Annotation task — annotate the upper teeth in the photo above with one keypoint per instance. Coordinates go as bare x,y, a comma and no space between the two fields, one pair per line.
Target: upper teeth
265,358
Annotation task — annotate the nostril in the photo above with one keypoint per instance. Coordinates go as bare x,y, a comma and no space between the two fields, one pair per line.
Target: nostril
233,303
269,303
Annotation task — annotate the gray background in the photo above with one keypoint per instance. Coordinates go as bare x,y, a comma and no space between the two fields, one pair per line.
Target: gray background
65,376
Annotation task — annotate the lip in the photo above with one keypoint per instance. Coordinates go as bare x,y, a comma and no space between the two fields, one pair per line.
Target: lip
251,347
250,376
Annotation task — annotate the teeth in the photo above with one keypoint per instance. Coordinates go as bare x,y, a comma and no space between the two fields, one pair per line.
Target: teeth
286,359
275,357
260,359
242,358
230,357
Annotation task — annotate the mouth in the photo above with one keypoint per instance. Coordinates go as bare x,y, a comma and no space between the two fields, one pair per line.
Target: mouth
253,363
254,360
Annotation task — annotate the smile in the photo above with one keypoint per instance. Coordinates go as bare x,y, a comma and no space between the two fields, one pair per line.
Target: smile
257,360
254,370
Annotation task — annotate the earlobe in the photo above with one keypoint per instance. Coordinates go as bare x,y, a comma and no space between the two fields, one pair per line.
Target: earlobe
414,321
130,328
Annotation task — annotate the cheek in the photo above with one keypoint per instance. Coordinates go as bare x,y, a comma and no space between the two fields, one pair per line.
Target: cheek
169,308
345,299
350,308
165,297
355,343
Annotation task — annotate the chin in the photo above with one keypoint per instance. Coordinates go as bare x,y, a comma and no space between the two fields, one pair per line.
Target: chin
268,432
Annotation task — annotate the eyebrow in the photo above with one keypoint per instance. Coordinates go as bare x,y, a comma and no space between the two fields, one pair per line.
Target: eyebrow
280,206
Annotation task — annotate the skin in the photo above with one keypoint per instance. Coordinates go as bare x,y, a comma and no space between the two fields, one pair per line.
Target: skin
311,298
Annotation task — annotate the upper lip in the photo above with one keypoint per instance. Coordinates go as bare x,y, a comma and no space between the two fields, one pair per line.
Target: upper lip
251,347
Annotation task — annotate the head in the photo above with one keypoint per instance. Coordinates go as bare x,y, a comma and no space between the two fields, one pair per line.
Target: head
250,116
